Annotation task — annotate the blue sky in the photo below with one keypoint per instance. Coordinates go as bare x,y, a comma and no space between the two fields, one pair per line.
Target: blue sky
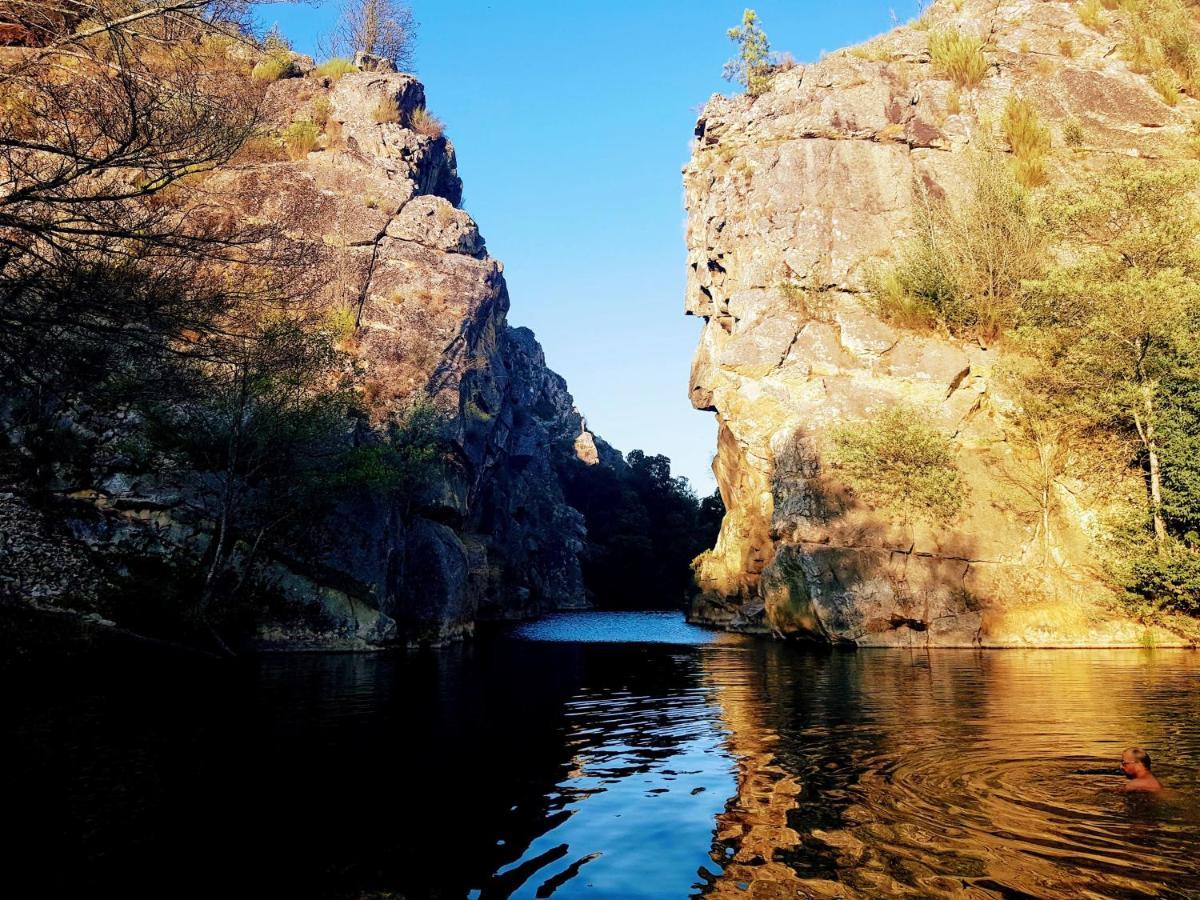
571,122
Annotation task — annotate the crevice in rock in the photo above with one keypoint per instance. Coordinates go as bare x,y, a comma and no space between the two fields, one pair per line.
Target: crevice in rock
792,343
957,381
922,554
366,288
436,247
898,621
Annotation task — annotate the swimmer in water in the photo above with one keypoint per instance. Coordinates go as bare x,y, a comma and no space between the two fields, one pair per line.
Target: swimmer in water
1135,765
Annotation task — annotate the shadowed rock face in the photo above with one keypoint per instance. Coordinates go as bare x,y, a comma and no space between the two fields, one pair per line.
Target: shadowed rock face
374,207
809,185
494,539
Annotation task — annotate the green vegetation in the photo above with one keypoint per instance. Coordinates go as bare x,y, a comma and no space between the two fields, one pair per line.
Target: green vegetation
751,68
278,59
144,335
300,137
958,56
644,529
965,268
1096,291
273,67
1119,324
894,461
335,68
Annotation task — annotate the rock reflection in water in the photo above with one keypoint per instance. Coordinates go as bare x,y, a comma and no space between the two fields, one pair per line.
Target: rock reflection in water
571,766
956,773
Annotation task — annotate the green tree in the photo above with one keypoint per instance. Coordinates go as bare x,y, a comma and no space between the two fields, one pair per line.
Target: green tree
258,422
751,68
644,528
1122,318
965,267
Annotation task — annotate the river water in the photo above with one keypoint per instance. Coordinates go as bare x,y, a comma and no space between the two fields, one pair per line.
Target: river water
604,755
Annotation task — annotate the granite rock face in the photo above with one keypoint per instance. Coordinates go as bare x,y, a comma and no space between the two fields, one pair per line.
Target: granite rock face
792,198
374,208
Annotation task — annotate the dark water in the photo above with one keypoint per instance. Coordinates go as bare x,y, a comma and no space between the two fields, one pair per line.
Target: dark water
569,759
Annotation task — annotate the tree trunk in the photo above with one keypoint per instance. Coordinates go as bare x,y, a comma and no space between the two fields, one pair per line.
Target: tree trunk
1160,524
1146,432
1046,524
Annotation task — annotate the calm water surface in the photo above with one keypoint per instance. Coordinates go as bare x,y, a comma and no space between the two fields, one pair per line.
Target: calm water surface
604,755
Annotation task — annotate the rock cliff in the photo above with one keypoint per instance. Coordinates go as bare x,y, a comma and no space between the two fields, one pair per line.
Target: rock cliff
373,204
792,197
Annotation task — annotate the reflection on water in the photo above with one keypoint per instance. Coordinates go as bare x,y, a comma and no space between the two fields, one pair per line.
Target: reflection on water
556,762
959,773
655,627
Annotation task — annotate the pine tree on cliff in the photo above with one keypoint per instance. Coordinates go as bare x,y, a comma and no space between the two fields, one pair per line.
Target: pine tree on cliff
751,68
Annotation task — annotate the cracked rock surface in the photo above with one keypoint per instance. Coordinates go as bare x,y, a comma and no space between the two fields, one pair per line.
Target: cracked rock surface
792,198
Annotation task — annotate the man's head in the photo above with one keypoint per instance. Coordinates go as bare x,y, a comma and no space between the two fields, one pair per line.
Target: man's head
1135,763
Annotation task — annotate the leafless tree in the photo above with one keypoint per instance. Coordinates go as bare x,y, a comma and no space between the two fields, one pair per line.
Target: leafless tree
383,28
105,108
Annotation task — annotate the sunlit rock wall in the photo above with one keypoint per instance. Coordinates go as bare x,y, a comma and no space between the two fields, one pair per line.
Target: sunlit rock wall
791,198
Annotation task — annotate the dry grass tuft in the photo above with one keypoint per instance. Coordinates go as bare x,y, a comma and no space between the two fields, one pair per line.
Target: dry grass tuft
1073,133
1166,82
300,138
1192,141
335,68
260,148
273,66
1091,14
1163,34
424,122
386,111
1028,139
319,110
958,56
872,52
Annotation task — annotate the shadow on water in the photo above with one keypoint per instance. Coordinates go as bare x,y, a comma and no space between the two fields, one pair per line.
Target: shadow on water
319,775
565,762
